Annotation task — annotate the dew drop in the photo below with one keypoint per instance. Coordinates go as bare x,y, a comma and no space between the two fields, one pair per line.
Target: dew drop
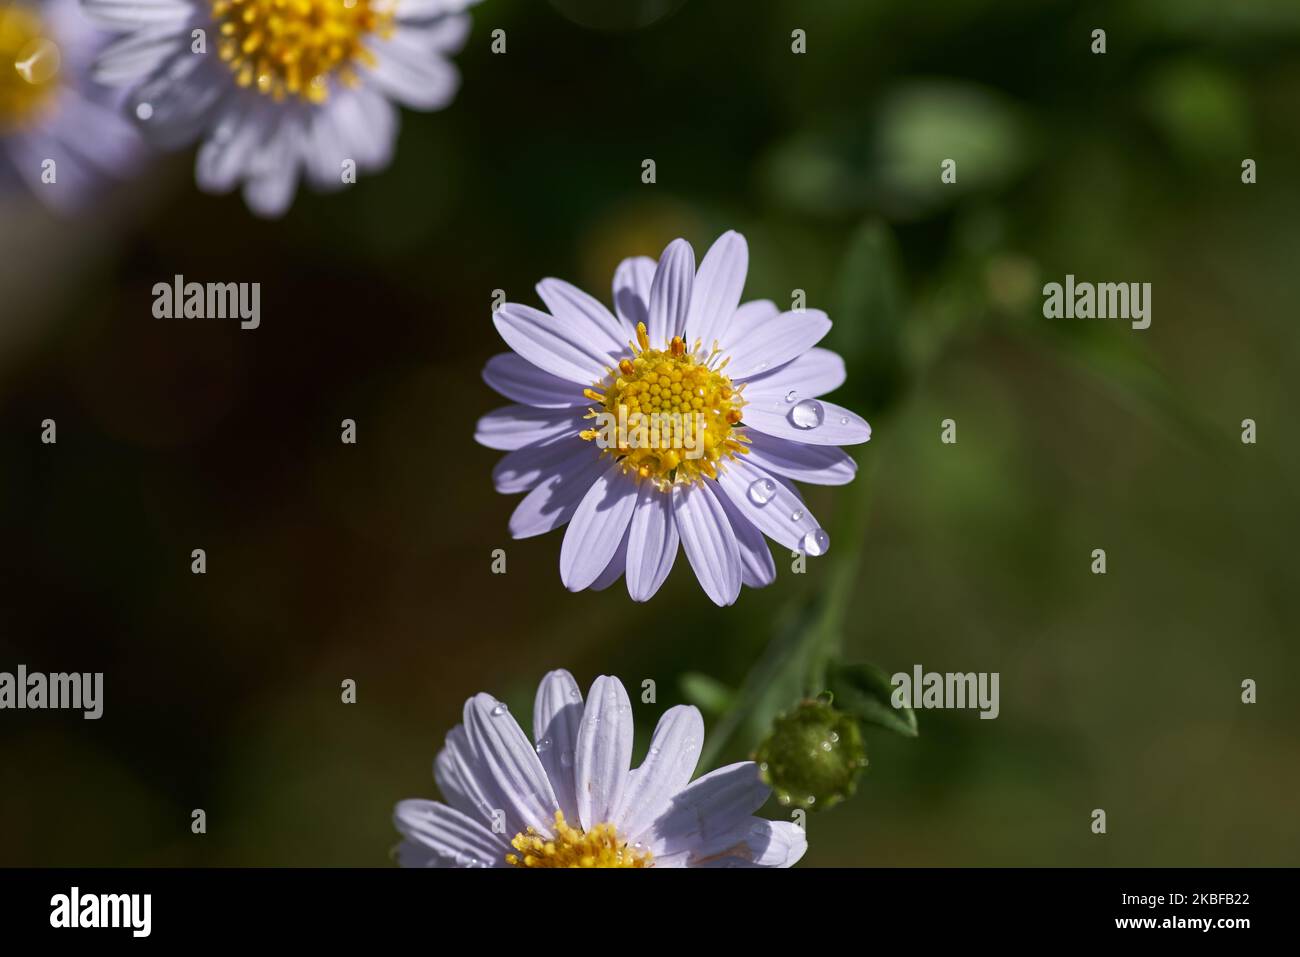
144,111
808,414
796,515
499,710
566,758
791,395
761,491
816,542
543,745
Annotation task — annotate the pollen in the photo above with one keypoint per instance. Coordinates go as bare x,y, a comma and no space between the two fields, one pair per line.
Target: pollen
570,847
667,415
29,67
293,48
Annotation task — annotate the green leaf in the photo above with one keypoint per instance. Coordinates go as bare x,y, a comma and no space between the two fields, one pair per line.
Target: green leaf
864,692
708,694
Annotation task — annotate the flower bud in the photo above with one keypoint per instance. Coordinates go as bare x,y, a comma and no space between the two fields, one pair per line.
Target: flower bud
812,756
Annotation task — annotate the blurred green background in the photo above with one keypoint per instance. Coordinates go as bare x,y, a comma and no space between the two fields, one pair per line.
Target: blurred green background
371,562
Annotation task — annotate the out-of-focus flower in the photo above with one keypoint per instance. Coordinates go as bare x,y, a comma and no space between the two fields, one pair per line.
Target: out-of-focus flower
282,88
60,134
571,799
681,417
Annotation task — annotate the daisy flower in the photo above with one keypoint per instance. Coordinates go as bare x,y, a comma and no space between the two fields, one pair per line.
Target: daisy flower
680,417
571,798
60,134
280,89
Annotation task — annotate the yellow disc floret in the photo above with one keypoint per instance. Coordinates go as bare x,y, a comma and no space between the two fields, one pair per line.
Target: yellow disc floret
293,47
29,66
668,415
570,847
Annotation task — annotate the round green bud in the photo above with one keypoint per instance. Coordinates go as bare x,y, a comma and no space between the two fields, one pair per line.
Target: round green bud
812,756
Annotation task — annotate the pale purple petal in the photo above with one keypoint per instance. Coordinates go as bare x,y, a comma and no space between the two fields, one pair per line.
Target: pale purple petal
751,843
632,282
550,343
815,464
670,293
515,426
711,807
839,426
783,517
520,381
596,528
459,840
708,542
652,542
582,311
525,468
757,567
557,712
775,341
747,318
614,570
718,285
412,72
553,502
604,751
815,373
666,770
508,756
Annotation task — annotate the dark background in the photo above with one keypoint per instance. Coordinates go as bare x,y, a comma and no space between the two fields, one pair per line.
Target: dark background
371,562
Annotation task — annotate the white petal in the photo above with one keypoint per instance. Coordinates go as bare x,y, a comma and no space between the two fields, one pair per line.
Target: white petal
652,542
508,756
596,528
557,713
712,806
670,293
666,770
604,751
130,14
708,542
585,312
459,840
752,843
717,290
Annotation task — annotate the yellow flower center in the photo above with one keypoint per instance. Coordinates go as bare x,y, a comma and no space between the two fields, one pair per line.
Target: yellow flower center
667,415
293,47
29,66
570,847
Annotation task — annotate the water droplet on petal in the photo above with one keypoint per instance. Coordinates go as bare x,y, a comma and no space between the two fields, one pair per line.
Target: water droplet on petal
808,414
566,758
499,710
816,542
543,745
144,111
761,491
791,395
796,515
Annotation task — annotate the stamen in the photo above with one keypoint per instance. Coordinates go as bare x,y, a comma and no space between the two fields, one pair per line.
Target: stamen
602,846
